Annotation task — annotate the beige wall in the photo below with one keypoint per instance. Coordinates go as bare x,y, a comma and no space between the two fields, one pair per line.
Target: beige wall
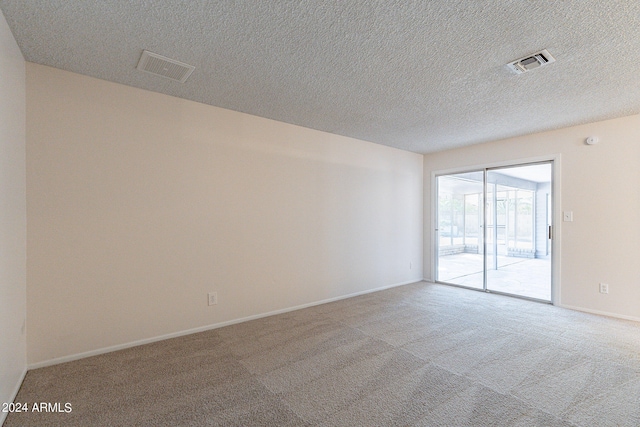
12,216
140,203
599,183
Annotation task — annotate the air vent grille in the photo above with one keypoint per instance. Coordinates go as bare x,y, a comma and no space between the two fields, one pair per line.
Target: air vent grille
165,67
531,62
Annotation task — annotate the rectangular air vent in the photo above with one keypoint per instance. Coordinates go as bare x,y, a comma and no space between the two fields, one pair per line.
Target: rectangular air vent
532,61
164,67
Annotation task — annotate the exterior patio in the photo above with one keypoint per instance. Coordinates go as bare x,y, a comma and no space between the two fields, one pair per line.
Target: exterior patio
528,277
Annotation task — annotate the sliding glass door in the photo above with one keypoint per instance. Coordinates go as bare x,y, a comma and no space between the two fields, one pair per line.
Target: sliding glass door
460,236
493,230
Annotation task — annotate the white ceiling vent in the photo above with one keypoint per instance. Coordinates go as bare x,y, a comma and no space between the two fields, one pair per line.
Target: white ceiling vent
532,61
165,67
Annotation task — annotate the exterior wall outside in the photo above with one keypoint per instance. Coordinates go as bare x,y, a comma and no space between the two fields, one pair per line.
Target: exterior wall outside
541,219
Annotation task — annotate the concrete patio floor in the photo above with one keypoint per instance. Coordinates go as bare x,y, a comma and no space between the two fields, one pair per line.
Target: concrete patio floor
518,276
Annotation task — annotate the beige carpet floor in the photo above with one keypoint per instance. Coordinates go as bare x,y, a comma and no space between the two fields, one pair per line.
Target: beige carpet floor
416,355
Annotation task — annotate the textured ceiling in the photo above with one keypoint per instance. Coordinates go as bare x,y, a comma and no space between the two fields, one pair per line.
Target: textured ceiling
418,75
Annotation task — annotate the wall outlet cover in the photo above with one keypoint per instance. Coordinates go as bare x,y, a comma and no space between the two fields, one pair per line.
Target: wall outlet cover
213,298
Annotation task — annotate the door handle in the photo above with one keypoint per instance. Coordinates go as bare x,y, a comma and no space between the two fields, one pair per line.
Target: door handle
549,232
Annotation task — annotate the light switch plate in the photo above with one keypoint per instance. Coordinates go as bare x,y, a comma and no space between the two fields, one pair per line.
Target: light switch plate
567,216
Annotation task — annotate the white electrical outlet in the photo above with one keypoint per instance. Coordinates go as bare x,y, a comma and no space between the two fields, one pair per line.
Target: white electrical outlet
213,298
604,288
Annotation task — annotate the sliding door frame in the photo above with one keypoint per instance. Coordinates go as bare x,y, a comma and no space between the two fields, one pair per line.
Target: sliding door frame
555,161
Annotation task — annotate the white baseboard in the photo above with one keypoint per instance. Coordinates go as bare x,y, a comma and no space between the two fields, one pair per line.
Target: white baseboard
16,389
600,313
584,310
104,350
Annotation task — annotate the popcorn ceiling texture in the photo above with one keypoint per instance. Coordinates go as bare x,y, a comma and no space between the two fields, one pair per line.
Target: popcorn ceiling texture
417,75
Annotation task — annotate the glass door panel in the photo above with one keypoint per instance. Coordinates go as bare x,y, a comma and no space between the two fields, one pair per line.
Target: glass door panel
459,229
518,218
